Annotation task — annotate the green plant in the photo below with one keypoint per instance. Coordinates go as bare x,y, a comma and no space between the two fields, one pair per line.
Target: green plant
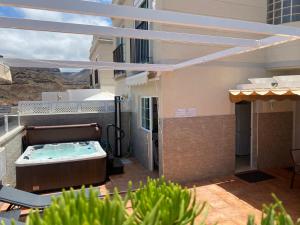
12,222
166,203
274,214
157,202
80,209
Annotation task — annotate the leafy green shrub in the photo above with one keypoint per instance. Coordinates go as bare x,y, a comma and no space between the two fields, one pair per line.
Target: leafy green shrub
157,203
274,214
80,209
169,202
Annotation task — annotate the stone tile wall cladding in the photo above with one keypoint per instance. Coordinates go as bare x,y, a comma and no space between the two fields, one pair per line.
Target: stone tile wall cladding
67,119
275,138
198,148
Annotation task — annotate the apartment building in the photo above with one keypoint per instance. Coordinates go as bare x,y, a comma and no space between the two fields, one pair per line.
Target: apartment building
183,122
101,50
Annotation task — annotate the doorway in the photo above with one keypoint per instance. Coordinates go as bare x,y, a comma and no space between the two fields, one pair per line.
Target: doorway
243,113
155,133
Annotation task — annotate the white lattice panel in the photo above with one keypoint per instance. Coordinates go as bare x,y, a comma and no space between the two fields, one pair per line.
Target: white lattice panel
40,107
63,107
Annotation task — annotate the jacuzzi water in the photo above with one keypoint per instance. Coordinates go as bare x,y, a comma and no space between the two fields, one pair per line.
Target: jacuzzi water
63,150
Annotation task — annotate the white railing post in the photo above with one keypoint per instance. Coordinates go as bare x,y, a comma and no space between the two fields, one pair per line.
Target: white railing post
19,119
79,106
6,123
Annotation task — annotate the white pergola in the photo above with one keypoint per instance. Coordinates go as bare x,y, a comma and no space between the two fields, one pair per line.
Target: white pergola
277,34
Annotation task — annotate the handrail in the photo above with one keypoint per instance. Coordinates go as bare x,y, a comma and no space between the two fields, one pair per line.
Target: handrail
122,135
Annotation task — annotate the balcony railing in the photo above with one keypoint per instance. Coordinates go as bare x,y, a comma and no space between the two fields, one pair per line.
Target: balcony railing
118,55
8,123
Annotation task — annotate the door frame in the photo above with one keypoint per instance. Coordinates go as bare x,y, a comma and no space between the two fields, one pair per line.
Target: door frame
150,131
253,154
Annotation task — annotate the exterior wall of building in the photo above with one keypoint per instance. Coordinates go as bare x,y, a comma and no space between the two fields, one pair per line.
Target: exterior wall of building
12,144
5,75
275,139
2,164
201,145
102,50
273,133
205,143
140,137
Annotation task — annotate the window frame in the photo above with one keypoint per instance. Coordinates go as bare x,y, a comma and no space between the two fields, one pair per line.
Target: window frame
142,117
96,77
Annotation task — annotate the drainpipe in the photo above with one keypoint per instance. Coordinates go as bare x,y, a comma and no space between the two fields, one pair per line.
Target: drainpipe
118,122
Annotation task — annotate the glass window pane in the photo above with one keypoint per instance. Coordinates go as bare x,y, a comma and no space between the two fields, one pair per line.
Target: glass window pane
286,3
296,17
296,9
270,16
286,11
277,13
286,19
270,2
277,20
277,5
296,2
270,8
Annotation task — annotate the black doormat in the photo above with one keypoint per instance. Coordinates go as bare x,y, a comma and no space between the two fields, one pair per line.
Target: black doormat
254,176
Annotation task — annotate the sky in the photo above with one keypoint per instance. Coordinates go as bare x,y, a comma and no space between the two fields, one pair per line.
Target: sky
46,45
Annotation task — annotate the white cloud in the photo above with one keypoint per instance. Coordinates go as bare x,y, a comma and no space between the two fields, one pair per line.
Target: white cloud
46,45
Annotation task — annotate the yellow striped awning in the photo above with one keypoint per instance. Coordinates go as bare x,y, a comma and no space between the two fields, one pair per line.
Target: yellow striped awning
264,94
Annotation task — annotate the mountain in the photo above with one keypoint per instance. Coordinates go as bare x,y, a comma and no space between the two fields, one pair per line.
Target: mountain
29,83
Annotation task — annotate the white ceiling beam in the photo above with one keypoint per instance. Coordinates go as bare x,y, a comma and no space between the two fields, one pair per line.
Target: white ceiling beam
264,43
159,16
100,65
38,25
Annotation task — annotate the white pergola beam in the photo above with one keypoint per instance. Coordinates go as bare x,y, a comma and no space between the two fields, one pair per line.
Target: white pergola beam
38,25
264,43
159,16
100,65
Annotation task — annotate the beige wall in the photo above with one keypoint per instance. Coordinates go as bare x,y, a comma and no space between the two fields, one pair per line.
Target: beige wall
285,56
5,75
254,10
204,88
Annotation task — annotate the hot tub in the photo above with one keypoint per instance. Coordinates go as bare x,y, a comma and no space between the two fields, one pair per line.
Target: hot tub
62,165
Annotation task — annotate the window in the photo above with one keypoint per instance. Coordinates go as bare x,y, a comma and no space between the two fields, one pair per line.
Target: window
96,77
91,80
145,113
283,11
119,56
139,49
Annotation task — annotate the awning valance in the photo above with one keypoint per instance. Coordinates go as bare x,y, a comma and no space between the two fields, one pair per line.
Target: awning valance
277,88
141,78
263,94
138,79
